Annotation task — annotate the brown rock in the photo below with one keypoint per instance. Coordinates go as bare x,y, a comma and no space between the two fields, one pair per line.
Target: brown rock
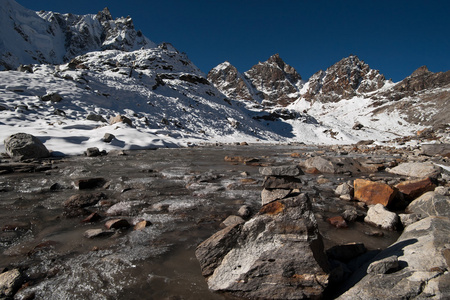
282,182
83,200
337,222
117,224
373,193
142,224
415,188
312,171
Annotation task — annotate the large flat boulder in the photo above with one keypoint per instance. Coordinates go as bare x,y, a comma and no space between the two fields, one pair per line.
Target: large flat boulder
25,146
278,254
334,165
416,169
430,204
423,256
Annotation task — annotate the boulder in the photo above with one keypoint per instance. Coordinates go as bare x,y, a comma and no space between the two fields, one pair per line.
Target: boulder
416,169
10,282
430,204
90,183
141,225
268,196
83,200
231,221
412,189
53,97
96,118
282,182
108,137
278,254
379,216
281,171
421,251
25,146
384,265
334,165
436,149
372,192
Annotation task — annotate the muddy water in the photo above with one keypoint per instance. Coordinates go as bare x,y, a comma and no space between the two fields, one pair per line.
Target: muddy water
184,193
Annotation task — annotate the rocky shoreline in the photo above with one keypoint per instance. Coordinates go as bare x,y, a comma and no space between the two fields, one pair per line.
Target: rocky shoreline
298,221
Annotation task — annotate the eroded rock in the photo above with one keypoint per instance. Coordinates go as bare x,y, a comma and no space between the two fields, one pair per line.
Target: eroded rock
256,259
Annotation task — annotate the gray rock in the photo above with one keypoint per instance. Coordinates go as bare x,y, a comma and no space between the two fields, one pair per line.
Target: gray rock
421,257
245,211
384,265
408,219
334,165
53,97
282,182
344,189
278,254
436,149
379,216
415,169
268,196
108,137
281,171
25,146
231,221
430,204
96,118
92,152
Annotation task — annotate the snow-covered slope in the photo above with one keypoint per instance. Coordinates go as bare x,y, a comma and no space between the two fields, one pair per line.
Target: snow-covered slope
28,37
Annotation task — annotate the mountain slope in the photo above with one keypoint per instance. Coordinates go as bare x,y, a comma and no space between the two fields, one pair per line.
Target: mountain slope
28,37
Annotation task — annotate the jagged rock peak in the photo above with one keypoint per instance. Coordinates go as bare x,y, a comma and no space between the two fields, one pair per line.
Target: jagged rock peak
277,83
104,15
421,71
30,37
227,79
347,78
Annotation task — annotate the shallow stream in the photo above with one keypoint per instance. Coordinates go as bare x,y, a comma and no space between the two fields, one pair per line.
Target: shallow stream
184,193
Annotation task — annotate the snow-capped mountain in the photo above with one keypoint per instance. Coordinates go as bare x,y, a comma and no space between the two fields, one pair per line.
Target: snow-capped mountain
81,77
28,37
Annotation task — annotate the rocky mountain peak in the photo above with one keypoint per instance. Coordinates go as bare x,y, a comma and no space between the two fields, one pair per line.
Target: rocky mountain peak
277,83
54,38
230,82
104,15
345,79
421,71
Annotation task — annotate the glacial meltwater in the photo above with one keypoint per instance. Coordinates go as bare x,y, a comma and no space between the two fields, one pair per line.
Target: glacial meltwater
183,194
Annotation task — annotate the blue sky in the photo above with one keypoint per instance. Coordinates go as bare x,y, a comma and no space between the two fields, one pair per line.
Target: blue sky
395,37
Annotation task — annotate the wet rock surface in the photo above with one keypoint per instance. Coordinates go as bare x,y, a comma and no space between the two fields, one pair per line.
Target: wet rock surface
174,200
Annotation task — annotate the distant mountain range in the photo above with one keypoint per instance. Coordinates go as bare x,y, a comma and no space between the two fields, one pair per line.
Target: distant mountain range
105,67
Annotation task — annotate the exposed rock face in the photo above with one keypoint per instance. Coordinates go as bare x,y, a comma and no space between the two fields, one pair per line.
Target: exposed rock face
256,260
25,146
77,35
422,79
417,276
270,83
226,78
277,82
343,80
